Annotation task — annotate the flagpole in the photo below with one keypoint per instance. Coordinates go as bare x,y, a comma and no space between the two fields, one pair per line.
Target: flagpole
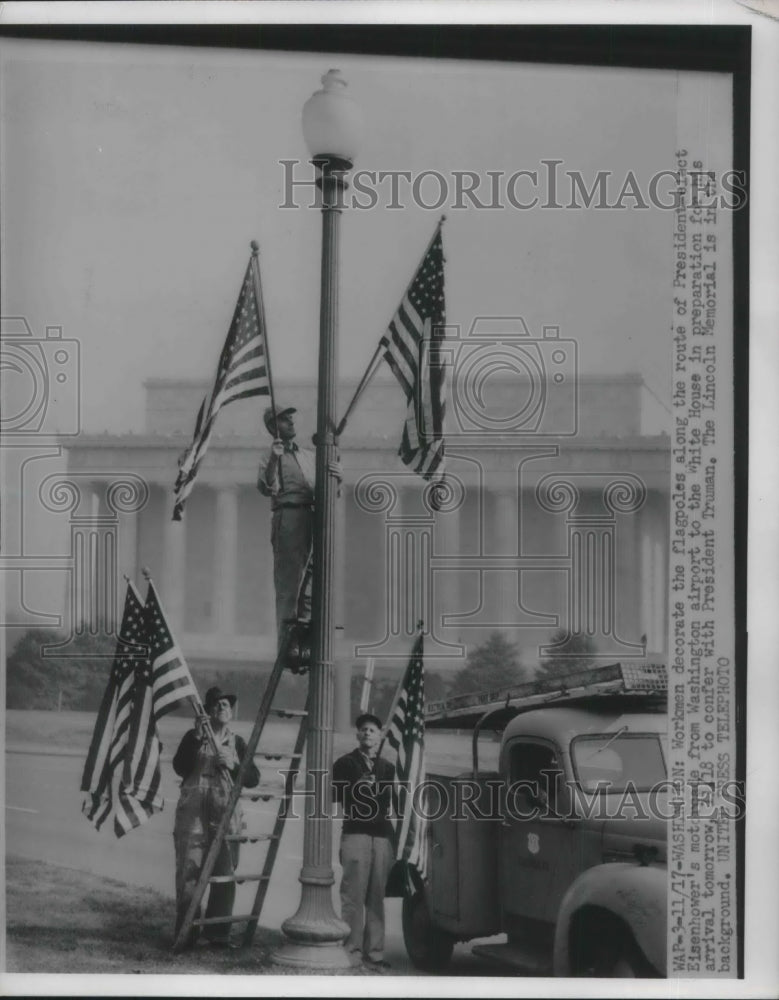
373,366
367,684
261,304
197,704
264,326
247,328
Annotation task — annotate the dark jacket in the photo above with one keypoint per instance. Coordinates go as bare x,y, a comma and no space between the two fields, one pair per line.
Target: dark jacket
365,792
186,757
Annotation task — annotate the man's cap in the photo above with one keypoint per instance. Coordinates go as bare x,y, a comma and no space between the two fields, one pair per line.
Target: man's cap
367,717
279,411
215,694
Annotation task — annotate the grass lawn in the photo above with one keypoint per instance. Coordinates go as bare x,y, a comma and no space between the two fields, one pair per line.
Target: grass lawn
72,731
67,921
446,752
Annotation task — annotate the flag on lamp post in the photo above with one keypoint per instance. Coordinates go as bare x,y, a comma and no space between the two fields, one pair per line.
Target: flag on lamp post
406,738
162,683
411,348
112,728
243,371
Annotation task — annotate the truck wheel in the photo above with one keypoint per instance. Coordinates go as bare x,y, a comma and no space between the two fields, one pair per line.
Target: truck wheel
428,947
612,954
622,961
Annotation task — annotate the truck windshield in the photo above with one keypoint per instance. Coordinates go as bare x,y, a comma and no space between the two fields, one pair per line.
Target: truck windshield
616,760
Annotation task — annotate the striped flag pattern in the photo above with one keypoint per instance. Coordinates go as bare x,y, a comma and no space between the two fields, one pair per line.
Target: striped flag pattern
242,372
112,729
412,350
406,738
162,682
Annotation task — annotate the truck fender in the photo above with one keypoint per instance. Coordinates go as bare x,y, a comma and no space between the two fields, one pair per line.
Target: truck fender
633,893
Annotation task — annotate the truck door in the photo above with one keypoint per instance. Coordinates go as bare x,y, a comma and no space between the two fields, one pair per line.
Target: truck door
537,854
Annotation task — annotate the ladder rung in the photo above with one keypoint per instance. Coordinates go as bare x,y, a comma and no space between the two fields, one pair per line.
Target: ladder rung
223,920
221,879
254,795
277,754
281,792
249,838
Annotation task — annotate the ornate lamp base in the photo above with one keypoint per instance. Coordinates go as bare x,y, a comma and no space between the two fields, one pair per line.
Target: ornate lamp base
327,957
314,935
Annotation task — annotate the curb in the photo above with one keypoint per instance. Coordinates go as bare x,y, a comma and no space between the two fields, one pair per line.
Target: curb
34,750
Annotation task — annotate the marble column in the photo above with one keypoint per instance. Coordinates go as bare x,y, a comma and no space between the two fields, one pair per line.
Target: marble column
543,592
101,546
662,579
90,551
654,574
226,558
173,589
627,576
506,521
128,545
447,583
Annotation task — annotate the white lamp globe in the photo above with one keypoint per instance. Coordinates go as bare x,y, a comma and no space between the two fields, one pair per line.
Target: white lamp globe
332,121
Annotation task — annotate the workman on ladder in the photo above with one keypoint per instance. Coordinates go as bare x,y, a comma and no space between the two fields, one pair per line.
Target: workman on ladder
286,475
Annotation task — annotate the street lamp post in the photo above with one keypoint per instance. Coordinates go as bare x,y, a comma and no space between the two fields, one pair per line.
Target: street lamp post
314,934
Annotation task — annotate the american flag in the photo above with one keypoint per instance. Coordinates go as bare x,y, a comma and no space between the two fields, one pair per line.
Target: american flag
109,739
243,371
406,738
162,682
412,350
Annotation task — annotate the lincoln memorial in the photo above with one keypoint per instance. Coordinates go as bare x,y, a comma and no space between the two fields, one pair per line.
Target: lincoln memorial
561,522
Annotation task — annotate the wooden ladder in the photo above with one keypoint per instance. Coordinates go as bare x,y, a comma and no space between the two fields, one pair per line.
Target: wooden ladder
238,792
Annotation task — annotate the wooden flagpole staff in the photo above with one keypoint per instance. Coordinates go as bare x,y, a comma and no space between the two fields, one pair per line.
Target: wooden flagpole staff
261,306
197,704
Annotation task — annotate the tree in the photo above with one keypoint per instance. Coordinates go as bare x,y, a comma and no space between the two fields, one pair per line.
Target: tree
575,651
435,686
493,664
383,692
35,680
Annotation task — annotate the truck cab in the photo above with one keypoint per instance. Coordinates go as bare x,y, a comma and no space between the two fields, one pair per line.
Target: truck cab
562,849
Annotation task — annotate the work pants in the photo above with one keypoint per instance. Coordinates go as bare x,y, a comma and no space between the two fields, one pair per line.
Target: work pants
292,531
366,863
198,815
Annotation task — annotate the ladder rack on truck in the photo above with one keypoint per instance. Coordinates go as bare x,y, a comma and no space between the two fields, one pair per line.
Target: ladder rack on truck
647,683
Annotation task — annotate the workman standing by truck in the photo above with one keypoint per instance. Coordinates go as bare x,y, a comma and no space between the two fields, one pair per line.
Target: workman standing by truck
363,783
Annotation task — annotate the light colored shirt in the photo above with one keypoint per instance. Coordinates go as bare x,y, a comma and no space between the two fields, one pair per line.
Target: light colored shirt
295,485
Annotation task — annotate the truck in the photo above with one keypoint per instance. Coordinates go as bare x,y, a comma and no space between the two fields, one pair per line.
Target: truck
562,850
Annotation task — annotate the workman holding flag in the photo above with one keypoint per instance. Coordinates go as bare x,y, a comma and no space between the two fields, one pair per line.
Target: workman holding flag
208,768
287,474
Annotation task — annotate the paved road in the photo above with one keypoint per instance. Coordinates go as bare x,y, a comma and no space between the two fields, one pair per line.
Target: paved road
44,822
